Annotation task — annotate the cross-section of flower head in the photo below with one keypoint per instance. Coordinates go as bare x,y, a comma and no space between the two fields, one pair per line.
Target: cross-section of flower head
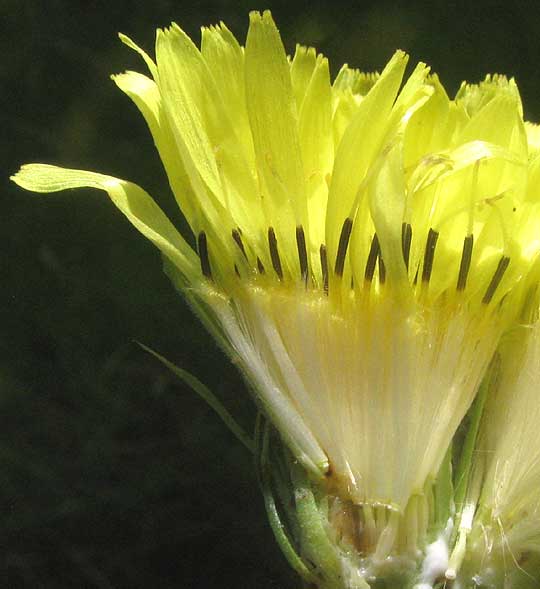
361,245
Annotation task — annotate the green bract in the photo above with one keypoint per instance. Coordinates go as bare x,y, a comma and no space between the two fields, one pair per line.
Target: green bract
362,247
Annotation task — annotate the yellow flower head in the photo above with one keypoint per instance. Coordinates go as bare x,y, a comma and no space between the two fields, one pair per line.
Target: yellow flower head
361,244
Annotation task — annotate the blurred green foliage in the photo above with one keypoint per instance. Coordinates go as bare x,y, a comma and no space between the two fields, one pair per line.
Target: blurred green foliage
112,473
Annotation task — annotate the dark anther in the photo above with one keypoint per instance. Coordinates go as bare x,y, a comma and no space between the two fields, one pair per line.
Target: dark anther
302,252
343,245
406,238
465,264
274,253
236,271
429,254
202,245
260,266
324,267
374,252
497,277
237,236
382,270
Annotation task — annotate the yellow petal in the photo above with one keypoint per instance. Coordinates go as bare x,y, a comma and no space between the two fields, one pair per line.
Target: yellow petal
206,140
234,150
147,59
358,148
316,142
225,60
533,138
496,123
186,86
145,94
274,124
430,127
357,82
473,97
136,204
387,204
302,68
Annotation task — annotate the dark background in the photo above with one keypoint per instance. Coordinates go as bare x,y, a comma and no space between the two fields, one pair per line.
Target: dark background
112,473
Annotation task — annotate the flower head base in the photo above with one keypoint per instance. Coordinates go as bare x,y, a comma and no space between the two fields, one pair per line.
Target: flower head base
361,247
